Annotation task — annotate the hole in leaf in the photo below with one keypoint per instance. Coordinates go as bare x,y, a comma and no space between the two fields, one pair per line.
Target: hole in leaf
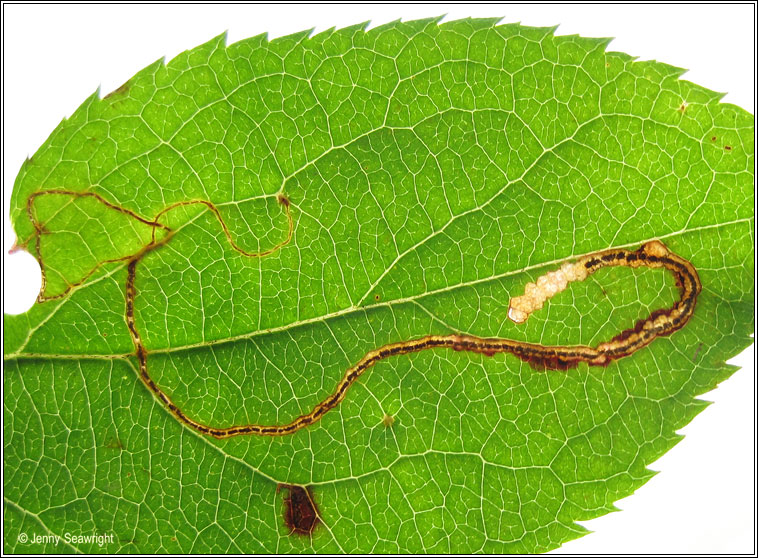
23,279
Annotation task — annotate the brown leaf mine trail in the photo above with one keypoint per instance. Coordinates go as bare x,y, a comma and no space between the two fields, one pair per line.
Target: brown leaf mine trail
661,322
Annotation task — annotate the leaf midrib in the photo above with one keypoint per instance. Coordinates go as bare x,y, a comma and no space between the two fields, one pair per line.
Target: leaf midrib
20,354
397,259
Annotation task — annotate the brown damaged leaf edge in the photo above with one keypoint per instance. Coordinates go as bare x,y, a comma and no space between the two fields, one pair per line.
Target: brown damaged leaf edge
660,323
301,516
39,230
122,89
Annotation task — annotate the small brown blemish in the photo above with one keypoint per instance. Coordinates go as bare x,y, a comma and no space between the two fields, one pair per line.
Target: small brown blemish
114,443
697,352
713,138
282,199
388,421
683,107
728,147
123,89
300,512
377,297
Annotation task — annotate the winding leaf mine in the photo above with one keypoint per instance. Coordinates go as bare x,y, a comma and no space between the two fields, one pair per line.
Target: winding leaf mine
250,228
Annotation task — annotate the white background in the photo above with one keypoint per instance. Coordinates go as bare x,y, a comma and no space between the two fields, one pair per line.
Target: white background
55,56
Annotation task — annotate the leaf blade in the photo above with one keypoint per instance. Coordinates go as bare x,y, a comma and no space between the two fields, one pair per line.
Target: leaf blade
414,319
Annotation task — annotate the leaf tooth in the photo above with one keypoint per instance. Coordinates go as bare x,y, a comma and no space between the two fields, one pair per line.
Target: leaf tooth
418,25
324,34
355,28
296,37
384,26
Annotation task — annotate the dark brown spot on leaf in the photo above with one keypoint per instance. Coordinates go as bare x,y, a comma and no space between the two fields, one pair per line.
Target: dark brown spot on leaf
300,513
728,147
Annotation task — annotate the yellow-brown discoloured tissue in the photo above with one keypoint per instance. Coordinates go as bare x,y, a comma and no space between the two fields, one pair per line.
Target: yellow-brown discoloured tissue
656,248
550,284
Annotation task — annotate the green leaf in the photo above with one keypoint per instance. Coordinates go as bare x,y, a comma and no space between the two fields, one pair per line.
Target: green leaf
436,167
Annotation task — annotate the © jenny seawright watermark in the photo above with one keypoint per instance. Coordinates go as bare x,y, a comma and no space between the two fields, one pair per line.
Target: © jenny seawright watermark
68,538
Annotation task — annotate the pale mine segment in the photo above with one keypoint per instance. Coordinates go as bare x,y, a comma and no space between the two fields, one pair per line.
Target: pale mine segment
550,284
553,282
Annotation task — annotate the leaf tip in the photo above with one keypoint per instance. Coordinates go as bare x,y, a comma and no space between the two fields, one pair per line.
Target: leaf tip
224,38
